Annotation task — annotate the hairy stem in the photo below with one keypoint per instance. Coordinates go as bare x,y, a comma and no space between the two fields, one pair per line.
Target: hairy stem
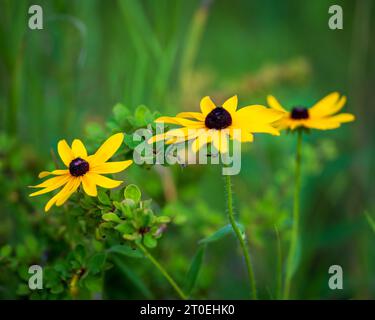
240,238
295,230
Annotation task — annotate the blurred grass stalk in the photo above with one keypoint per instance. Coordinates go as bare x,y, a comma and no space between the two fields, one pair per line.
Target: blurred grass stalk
12,30
192,44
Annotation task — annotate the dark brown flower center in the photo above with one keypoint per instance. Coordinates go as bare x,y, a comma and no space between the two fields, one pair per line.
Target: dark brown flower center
300,113
78,167
218,118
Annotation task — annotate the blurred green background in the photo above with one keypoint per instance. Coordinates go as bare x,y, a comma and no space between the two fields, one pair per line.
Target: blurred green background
166,55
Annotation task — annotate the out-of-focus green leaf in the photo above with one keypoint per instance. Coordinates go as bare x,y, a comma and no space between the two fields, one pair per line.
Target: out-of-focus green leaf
149,241
111,217
103,198
134,278
222,232
5,251
126,251
196,264
370,221
96,262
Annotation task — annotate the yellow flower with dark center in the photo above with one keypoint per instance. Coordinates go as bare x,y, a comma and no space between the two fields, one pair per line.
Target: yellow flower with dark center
321,116
82,169
215,124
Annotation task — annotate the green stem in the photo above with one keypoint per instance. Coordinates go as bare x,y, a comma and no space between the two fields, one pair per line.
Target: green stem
240,238
295,230
163,271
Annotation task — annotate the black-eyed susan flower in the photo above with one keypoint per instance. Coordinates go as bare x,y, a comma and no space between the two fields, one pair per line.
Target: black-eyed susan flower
322,115
215,124
82,169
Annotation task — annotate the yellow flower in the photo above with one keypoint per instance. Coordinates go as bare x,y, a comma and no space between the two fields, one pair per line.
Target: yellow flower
215,124
321,115
82,169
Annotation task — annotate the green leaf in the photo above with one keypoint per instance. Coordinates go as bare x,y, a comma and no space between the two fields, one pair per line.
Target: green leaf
132,192
149,241
125,228
142,115
96,262
94,284
5,251
370,221
120,112
196,264
133,277
80,253
111,217
103,198
131,142
222,232
126,251
163,219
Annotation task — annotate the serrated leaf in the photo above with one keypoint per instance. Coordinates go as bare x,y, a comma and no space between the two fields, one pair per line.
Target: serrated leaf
196,264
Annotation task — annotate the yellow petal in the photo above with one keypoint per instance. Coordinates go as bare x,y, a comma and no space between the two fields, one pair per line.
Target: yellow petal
180,132
65,196
274,103
103,181
89,185
216,142
180,121
111,167
231,104
51,186
62,193
44,174
223,142
65,152
207,105
200,141
324,106
241,135
192,115
255,113
283,123
321,124
343,117
79,149
262,128
156,138
107,149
